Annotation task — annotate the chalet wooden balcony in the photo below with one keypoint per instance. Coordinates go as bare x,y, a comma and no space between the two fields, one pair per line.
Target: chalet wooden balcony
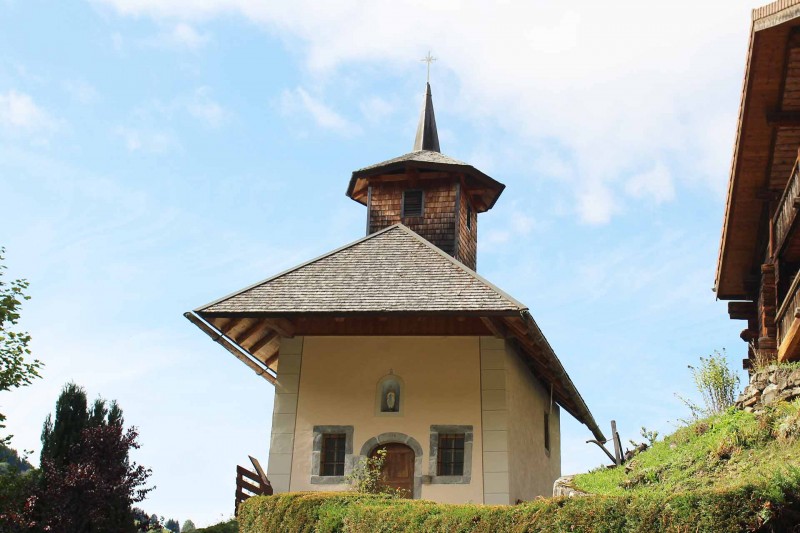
785,232
788,321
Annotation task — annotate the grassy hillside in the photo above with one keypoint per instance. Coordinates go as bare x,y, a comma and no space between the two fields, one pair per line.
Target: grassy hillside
723,452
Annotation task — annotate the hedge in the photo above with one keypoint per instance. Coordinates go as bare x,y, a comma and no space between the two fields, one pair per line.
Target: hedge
771,507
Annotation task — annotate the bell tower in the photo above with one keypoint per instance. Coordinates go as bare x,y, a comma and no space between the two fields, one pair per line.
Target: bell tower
434,195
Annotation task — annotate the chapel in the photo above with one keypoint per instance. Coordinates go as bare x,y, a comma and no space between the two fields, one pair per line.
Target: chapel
758,268
394,342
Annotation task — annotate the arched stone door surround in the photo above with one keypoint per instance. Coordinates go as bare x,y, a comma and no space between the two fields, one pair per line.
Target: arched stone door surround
402,438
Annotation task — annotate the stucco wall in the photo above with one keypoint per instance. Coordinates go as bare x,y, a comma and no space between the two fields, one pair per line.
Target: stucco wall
337,386
532,469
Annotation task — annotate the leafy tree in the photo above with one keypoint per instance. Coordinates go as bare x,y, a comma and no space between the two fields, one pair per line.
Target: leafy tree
140,519
15,370
173,525
11,461
88,481
188,527
18,484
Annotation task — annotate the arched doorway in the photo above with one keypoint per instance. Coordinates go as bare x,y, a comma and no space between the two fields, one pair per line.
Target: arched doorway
394,437
398,467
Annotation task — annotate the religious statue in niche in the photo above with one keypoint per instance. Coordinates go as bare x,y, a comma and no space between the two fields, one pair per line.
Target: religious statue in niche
390,395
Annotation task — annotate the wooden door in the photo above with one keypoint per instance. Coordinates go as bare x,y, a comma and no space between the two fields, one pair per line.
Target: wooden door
398,468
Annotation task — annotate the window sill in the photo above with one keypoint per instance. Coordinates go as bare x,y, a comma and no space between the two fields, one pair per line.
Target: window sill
328,480
450,480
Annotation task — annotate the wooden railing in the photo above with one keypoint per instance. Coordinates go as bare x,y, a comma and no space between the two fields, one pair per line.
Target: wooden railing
788,309
787,209
245,489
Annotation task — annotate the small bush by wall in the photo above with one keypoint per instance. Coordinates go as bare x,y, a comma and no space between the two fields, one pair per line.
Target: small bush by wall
749,508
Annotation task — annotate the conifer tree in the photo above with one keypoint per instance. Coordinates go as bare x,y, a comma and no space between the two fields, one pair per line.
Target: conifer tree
60,437
88,480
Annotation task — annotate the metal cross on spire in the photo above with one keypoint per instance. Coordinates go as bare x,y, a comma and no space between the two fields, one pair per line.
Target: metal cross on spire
429,59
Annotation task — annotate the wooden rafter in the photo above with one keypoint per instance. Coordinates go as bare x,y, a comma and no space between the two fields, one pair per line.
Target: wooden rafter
496,326
263,341
228,345
272,358
258,326
228,327
283,326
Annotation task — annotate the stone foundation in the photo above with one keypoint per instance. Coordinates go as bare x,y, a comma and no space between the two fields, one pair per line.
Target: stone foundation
770,385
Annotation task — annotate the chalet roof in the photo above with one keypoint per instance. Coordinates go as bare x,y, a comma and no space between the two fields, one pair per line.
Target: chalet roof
387,280
766,144
394,270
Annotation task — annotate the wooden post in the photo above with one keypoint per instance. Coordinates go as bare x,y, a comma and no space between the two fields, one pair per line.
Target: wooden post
617,443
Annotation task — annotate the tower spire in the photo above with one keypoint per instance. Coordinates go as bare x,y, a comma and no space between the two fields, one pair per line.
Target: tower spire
427,135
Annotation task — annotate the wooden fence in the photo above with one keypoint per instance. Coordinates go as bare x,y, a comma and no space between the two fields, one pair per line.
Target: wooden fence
249,483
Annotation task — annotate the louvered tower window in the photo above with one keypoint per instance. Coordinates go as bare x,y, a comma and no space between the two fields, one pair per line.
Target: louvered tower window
412,203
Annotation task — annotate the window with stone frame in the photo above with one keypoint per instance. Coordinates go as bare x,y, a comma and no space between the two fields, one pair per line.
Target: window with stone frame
451,454
333,454
450,458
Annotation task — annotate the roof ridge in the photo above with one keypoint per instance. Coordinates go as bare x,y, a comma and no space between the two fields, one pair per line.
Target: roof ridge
296,267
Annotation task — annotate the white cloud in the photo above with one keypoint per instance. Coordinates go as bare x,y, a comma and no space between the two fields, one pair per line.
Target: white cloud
154,142
149,124
376,109
117,41
522,223
181,36
19,113
592,77
323,115
202,106
596,202
185,35
654,184
81,91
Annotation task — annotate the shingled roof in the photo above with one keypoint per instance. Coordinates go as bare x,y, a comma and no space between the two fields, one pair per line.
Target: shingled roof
391,271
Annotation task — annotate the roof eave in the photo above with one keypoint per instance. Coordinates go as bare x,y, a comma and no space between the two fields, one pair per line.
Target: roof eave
495,186
729,283
574,402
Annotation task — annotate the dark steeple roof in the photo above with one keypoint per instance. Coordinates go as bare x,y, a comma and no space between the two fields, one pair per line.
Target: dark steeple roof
427,135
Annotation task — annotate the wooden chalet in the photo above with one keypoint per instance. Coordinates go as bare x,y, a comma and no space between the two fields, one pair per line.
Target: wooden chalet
759,258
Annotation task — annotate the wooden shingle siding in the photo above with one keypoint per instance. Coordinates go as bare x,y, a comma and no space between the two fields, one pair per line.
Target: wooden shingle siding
437,223
467,237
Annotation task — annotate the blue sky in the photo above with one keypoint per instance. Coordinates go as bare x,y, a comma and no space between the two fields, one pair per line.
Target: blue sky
157,155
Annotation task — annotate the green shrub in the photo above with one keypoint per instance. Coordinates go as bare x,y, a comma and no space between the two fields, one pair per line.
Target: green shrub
745,508
717,383
231,526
